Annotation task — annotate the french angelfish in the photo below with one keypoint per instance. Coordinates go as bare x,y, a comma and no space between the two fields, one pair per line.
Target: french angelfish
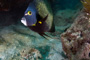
35,22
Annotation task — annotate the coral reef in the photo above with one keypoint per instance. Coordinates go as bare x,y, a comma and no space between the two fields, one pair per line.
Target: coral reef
76,40
86,4
65,13
30,53
18,41
63,19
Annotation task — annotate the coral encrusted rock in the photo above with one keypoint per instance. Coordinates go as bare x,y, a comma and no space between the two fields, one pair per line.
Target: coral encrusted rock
76,40
30,53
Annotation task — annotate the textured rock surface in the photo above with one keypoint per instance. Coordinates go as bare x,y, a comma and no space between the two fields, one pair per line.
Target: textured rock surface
30,53
64,18
76,40
19,42
86,4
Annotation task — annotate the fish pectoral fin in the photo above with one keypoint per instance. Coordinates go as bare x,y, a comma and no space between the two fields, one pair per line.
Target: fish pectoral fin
44,35
44,19
39,18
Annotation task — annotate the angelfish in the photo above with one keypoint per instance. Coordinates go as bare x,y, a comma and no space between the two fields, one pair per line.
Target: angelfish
34,21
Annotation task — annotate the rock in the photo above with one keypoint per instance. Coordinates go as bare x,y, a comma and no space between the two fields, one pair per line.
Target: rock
18,38
86,4
65,17
76,39
30,53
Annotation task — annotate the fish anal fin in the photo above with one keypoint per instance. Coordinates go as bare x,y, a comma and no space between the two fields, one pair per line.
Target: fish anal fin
43,35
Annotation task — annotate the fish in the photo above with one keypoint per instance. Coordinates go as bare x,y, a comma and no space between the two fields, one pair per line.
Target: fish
33,20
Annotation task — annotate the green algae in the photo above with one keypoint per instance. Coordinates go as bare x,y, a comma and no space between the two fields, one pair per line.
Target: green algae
86,4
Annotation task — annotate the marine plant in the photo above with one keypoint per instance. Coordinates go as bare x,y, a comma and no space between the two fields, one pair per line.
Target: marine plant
86,4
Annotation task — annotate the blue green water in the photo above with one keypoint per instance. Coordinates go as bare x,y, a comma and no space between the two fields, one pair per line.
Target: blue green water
67,3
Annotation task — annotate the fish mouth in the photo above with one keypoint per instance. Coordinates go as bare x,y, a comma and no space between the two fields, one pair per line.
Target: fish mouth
26,14
23,20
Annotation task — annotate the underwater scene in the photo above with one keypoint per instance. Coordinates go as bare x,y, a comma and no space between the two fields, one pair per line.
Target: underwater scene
44,29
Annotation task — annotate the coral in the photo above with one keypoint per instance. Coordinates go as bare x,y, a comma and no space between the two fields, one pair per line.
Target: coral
84,52
15,39
30,53
76,40
86,4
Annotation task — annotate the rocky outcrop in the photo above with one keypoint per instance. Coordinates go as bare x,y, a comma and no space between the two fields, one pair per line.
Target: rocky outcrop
76,40
18,42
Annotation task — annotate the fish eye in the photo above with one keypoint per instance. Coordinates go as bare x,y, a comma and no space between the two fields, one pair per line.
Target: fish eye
29,13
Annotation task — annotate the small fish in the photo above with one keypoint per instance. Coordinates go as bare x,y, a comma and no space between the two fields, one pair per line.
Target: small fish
35,22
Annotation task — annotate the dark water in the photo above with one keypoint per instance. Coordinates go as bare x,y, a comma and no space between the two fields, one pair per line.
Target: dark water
65,4
16,13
